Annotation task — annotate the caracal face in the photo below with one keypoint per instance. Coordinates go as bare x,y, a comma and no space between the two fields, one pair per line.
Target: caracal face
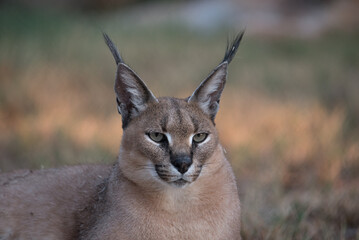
174,139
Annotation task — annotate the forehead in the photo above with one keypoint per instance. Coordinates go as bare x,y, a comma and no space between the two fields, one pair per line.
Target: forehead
176,115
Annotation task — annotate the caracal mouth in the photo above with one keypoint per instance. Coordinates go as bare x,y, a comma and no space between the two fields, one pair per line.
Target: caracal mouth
179,183
174,178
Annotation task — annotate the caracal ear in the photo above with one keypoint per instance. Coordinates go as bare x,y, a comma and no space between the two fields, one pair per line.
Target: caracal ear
208,94
132,94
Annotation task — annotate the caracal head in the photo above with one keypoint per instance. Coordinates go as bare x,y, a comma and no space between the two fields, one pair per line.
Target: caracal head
167,141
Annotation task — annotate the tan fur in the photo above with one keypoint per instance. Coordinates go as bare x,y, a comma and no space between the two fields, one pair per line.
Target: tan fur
142,196
41,204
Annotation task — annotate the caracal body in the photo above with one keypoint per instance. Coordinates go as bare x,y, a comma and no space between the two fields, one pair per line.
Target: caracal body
171,179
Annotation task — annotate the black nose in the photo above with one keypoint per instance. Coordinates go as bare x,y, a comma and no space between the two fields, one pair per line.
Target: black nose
181,163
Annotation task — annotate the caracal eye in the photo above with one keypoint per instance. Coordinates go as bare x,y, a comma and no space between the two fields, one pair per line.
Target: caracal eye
200,137
156,136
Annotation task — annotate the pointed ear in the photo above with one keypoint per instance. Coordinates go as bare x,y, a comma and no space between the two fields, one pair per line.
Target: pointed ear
132,94
207,95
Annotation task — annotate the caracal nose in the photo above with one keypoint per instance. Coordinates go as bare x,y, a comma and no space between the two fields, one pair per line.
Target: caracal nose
182,163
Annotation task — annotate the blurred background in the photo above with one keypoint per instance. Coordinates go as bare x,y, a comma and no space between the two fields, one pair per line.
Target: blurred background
289,116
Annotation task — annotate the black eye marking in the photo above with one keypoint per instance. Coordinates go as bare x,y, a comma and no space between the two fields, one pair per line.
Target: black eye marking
195,123
163,123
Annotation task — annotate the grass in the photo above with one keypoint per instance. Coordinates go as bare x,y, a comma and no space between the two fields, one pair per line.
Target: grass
289,115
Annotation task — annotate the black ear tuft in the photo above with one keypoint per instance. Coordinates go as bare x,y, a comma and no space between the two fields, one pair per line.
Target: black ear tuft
132,94
208,94
113,49
232,48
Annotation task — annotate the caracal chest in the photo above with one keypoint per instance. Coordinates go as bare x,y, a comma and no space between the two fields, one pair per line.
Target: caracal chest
165,221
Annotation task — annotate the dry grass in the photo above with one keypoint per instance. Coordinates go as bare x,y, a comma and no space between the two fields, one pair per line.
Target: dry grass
290,164
288,118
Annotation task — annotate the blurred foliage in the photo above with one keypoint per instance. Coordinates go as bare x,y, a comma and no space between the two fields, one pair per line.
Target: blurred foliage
77,5
289,115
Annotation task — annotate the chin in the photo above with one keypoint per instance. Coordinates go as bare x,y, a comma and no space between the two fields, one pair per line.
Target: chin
179,183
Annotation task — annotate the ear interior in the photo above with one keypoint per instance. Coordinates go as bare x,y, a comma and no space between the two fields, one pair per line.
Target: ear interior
207,95
133,96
